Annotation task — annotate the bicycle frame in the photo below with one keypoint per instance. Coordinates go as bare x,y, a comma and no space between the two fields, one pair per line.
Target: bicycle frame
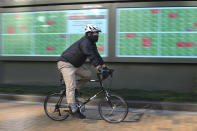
101,91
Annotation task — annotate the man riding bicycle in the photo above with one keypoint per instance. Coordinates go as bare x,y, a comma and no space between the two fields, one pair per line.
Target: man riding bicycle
71,61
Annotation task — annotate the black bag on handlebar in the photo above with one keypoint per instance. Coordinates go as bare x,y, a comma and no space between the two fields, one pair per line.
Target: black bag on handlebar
106,73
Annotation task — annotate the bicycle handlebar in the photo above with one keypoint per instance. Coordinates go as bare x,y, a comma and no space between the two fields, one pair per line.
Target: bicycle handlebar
109,71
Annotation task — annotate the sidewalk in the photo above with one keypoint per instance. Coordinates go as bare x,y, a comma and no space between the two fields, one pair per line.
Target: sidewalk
132,104
29,116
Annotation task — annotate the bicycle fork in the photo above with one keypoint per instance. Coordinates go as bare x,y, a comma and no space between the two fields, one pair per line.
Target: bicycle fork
107,96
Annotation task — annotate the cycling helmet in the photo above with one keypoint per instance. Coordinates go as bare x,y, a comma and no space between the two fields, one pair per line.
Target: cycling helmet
92,28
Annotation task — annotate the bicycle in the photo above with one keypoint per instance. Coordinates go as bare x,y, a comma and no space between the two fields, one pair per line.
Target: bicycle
112,108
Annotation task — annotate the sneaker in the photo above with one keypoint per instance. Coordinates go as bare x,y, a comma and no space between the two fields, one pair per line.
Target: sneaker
73,108
78,114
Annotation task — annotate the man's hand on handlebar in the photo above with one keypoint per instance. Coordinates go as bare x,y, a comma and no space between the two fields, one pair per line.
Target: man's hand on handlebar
105,71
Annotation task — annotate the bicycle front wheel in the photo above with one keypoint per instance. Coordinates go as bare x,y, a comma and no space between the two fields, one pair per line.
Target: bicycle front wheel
56,107
113,109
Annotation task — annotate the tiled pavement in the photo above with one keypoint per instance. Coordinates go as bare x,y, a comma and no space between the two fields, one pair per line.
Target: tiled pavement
28,116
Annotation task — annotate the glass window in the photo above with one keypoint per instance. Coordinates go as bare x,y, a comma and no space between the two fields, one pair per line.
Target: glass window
49,33
157,32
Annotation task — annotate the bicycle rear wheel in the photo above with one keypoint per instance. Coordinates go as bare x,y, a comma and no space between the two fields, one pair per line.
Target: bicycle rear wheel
56,107
113,109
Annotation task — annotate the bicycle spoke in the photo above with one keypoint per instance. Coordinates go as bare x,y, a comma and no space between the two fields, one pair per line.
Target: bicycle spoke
113,109
53,107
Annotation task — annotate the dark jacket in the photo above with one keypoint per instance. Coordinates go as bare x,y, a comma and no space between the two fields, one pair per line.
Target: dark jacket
77,53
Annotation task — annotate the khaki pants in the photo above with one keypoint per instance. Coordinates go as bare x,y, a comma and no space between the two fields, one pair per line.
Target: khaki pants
69,73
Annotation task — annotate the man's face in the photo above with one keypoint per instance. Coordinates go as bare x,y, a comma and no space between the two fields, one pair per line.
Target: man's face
95,33
94,36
